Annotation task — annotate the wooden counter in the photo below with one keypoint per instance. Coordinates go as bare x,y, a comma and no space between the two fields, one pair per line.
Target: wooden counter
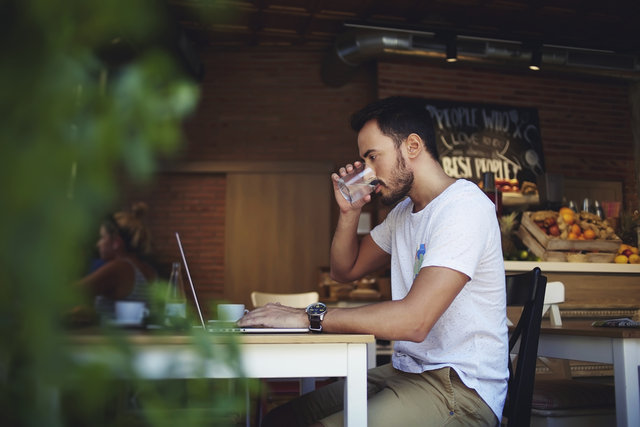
571,267
591,289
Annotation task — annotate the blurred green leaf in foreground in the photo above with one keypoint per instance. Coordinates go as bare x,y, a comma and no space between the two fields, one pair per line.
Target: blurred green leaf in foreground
77,111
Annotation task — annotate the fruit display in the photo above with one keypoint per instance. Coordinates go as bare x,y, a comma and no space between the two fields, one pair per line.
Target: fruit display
569,225
627,254
566,235
510,251
512,186
507,185
547,221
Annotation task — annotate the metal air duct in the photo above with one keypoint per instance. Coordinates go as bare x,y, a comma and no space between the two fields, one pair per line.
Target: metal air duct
361,44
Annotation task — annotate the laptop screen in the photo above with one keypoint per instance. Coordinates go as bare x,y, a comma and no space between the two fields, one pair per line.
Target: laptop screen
227,329
193,289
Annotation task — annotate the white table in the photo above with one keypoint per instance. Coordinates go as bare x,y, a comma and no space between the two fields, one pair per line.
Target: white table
261,356
578,340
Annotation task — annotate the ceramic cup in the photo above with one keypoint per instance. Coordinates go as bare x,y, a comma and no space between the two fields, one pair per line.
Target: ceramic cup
131,312
231,312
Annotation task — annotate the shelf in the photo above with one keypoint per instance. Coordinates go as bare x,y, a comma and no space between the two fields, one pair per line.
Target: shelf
517,199
572,267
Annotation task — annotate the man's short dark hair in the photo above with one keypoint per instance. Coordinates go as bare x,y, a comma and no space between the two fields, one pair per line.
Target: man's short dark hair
397,118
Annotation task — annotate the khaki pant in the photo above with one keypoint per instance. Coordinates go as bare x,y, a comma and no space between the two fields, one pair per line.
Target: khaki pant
395,398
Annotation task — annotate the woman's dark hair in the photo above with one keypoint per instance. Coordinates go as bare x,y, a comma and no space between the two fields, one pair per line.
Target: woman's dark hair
398,117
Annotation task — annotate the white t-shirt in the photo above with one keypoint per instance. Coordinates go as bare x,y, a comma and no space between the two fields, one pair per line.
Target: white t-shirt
458,230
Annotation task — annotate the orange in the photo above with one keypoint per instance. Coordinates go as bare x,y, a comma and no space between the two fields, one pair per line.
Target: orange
568,218
589,234
575,229
566,210
572,236
634,259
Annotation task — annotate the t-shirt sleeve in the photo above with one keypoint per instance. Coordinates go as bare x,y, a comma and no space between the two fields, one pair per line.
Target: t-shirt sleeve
381,234
461,231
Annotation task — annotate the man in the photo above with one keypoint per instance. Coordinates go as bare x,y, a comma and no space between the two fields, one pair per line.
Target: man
447,316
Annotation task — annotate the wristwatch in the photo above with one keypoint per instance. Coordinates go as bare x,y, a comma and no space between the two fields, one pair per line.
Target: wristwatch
316,313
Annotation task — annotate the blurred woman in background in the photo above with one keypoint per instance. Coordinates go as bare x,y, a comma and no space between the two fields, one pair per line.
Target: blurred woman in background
125,275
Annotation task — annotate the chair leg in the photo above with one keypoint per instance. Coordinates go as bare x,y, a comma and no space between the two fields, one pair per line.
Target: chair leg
554,315
307,385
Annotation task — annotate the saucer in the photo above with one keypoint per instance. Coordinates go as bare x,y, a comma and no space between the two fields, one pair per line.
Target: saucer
126,323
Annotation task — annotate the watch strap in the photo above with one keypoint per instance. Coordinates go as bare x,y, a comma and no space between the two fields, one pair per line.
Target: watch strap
315,323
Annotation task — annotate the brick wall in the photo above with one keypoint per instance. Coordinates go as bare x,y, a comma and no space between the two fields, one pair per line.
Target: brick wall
585,122
256,105
194,206
271,105
267,105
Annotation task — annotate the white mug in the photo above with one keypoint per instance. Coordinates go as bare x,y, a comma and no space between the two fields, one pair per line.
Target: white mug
231,312
131,312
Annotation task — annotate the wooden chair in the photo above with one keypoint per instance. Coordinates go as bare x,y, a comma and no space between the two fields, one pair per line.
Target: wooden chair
526,290
298,300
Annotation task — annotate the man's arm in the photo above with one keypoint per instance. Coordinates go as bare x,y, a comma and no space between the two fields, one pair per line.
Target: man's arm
350,258
409,319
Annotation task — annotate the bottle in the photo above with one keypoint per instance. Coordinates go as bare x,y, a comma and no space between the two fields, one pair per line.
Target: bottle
175,308
597,209
489,187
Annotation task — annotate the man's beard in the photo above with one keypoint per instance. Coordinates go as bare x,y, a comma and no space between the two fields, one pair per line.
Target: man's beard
401,180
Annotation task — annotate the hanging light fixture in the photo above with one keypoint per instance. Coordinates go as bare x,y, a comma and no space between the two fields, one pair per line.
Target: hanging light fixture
452,49
536,58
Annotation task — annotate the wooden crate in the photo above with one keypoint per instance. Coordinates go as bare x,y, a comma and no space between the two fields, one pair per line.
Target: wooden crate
550,248
537,248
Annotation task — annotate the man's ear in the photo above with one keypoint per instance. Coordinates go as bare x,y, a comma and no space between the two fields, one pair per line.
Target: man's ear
413,145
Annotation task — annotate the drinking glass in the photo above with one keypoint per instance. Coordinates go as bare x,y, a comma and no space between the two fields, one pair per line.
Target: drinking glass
357,184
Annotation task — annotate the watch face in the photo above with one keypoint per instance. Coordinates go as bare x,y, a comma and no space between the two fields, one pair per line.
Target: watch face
316,309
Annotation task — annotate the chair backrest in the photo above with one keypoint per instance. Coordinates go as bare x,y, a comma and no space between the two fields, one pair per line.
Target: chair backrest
526,290
299,300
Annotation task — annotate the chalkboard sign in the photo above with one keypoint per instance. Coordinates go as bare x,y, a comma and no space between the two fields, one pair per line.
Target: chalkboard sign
477,138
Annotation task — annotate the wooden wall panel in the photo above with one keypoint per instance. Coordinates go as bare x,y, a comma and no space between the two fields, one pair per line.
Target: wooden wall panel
277,232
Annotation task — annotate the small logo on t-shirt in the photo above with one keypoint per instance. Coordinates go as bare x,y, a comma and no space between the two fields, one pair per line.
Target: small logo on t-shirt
419,258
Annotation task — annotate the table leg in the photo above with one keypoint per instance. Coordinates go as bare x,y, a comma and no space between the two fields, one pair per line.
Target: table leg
355,386
625,371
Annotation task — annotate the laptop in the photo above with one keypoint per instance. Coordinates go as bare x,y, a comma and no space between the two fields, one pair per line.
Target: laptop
246,330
